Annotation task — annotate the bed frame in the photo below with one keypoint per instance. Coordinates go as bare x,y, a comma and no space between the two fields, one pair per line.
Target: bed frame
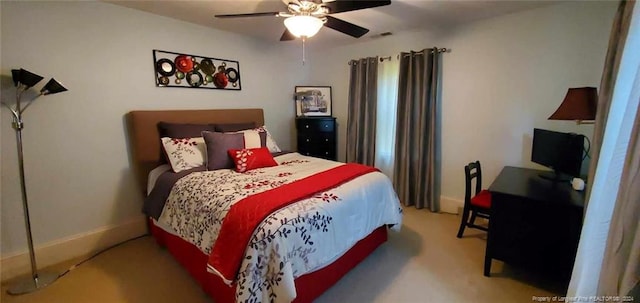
146,154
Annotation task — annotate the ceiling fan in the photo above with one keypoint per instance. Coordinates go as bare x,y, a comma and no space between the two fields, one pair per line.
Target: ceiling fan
304,18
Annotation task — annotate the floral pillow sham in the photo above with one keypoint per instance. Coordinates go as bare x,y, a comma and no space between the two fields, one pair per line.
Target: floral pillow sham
184,153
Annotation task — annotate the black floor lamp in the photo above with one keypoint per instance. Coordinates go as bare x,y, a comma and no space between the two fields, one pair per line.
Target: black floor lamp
23,81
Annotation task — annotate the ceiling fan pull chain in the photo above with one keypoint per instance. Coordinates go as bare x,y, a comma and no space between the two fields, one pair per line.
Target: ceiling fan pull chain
303,50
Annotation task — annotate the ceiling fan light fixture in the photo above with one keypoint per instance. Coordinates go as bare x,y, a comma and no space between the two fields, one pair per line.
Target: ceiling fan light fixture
303,26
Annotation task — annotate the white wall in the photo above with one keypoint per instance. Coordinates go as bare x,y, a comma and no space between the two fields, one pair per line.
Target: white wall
510,74
503,77
76,157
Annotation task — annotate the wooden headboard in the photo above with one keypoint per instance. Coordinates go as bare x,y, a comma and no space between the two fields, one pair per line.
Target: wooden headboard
144,140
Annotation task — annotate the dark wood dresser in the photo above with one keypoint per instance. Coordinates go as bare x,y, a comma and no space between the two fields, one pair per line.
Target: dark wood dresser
317,137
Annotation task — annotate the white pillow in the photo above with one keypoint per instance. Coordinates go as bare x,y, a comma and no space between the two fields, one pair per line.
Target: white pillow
185,153
251,138
271,144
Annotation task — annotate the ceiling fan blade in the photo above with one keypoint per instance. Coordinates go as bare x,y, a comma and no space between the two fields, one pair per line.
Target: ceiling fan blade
341,6
273,14
345,27
287,36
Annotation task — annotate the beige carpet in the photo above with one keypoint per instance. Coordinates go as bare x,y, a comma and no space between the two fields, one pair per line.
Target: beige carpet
425,262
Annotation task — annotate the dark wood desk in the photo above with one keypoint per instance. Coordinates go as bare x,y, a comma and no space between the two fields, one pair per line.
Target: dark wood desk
534,223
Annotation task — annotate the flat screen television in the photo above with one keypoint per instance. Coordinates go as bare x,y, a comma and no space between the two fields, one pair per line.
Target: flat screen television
562,152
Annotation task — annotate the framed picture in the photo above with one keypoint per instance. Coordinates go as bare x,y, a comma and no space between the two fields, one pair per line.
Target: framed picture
191,71
313,101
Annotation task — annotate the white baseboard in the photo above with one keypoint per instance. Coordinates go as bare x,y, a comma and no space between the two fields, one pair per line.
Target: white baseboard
450,205
76,246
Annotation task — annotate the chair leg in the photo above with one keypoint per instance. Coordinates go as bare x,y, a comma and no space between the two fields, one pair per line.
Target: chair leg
473,217
463,223
487,265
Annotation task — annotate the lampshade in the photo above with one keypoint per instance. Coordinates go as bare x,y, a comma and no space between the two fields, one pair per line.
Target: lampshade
24,77
303,26
52,87
579,104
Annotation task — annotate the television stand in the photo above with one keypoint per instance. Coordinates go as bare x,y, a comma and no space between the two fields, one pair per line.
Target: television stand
555,176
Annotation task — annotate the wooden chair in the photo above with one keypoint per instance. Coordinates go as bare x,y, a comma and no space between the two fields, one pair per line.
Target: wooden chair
480,204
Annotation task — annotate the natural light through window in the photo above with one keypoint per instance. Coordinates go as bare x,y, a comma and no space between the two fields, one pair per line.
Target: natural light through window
386,115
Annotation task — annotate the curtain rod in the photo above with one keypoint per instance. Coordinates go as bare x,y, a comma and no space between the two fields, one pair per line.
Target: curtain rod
440,50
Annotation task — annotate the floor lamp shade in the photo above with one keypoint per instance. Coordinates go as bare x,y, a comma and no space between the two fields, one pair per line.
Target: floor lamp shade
52,87
24,77
24,80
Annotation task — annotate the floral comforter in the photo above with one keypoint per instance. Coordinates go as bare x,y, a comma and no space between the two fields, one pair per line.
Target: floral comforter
297,239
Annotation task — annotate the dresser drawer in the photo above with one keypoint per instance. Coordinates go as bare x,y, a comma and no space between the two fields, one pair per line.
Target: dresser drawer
317,137
325,154
315,125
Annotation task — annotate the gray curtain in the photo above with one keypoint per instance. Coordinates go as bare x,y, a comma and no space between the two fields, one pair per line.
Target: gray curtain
361,120
620,272
415,172
617,40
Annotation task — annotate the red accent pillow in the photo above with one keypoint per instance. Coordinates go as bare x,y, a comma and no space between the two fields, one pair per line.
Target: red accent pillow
251,158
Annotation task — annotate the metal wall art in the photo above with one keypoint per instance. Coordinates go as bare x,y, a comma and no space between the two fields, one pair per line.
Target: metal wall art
183,70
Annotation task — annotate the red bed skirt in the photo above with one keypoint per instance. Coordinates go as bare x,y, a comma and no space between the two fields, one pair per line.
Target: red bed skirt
308,287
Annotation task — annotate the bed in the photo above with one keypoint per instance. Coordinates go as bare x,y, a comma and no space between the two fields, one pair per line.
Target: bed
296,251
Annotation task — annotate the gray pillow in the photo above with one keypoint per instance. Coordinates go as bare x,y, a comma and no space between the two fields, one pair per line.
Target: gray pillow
217,145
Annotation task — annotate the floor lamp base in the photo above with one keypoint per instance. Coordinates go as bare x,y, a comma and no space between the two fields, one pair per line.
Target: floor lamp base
28,284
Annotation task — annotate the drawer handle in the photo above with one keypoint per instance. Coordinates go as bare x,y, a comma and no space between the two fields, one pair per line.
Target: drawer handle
307,140
326,125
326,140
326,153
307,154
307,126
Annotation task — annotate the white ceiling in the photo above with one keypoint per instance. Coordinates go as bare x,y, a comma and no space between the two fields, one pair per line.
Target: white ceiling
401,15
